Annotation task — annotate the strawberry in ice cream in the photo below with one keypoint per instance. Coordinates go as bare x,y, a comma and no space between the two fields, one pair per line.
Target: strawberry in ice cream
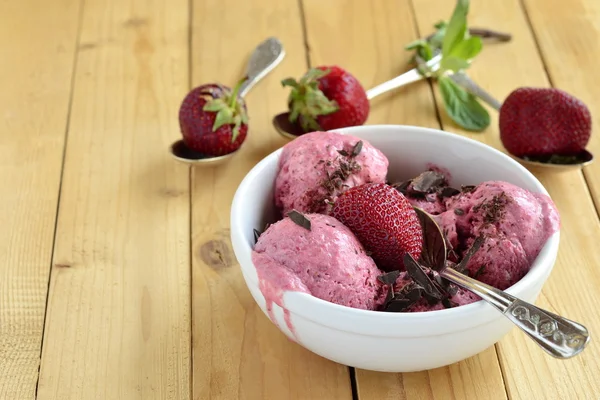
316,254
317,167
383,220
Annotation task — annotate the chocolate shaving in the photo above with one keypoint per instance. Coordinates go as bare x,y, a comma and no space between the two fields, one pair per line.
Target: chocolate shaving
410,294
449,192
389,278
446,285
256,235
416,272
299,219
467,189
357,148
433,254
343,153
493,209
428,182
480,271
389,296
449,303
462,265
402,187
459,211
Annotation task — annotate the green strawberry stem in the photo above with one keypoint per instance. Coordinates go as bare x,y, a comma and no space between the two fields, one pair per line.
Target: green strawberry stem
236,90
306,101
228,110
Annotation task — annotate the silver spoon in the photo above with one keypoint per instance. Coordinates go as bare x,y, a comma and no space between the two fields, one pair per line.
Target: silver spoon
284,127
263,60
558,336
583,158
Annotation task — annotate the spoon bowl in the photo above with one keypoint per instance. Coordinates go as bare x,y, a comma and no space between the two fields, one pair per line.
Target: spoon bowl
583,159
180,152
285,128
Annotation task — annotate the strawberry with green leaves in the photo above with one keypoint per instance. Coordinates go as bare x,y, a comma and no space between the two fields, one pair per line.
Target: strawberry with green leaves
213,119
325,98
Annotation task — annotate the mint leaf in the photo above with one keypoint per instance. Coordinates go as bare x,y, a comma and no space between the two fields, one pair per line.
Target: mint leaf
463,107
423,49
453,63
468,48
415,44
457,27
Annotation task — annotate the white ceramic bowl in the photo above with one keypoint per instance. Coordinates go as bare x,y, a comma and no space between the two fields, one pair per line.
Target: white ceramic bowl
394,342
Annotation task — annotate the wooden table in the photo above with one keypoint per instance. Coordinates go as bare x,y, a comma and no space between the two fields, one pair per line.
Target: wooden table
117,278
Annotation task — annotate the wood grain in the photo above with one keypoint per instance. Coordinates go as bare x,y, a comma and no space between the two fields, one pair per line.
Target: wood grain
238,352
118,319
570,51
373,50
37,49
572,286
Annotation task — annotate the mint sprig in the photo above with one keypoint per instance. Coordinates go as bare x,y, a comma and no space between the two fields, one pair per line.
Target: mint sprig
458,46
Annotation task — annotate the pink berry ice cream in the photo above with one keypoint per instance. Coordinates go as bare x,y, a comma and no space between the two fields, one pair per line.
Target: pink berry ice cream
514,224
494,231
325,260
316,167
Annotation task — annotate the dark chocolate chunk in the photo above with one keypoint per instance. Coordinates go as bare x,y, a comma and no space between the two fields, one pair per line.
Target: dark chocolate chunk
449,192
389,278
299,219
428,182
419,276
357,148
462,265
256,235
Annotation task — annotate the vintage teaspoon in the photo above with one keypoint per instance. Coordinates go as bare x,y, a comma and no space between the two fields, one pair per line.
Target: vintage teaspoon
284,127
263,60
558,336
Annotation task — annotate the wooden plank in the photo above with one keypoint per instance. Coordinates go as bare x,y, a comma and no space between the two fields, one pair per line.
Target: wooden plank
373,50
572,287
118,321
37,48
570,51
238,352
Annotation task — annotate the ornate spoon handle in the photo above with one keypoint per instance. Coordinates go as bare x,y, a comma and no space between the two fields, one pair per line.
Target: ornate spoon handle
558,336
265,57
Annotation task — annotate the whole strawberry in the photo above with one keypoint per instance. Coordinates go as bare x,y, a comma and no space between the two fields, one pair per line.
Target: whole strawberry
213,119
544,122
383,221
327,98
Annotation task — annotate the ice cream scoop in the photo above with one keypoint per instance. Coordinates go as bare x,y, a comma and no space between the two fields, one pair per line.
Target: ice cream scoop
558,336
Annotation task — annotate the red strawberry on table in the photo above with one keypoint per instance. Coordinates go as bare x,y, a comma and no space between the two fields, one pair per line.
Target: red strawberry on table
327,98
213,119
383,221
544,122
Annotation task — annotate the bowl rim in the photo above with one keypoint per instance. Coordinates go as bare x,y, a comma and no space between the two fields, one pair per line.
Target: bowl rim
302,303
